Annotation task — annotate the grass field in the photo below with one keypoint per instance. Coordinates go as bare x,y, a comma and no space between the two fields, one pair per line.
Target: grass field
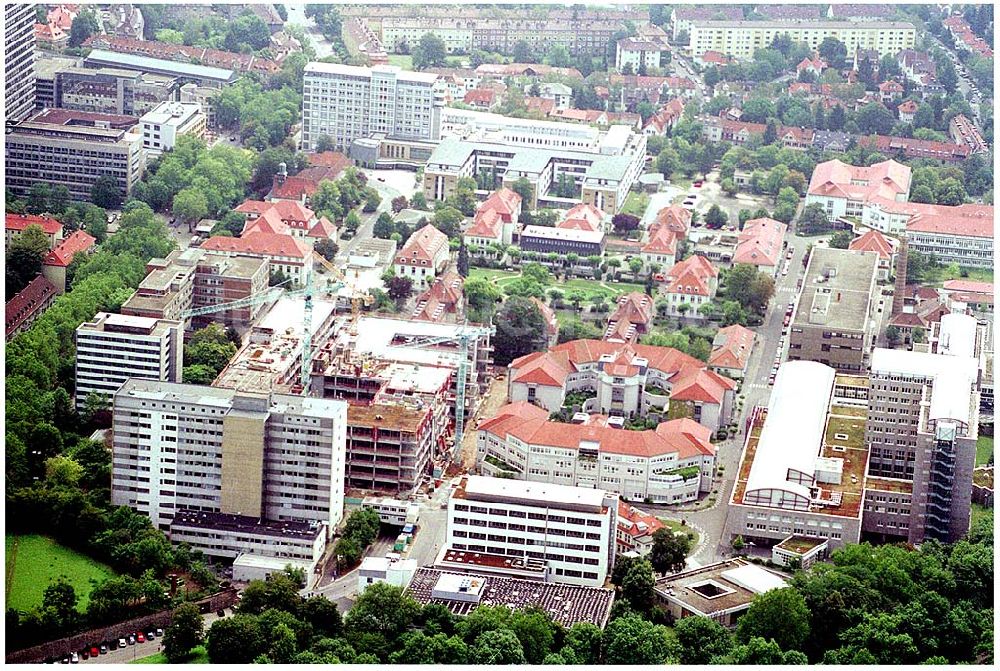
635,203
980,512
405,61
592,289
33,561
984,448
939,276
199,656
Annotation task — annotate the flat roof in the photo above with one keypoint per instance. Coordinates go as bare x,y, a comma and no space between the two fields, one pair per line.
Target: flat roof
137,62
837,289
526,492
47,66
247,560
384,416
171,112
954,379
226,522
805,23
569,234
567,604
726,586
358,71
387,338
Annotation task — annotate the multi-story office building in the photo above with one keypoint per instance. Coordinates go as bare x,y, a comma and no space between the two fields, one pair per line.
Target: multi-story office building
962,234
184,72
265,456
923,422
230,536
740,39
19,60
672,464
45,69
803,465
111,90
192,278
73,149
572,529
835,321
112,348
348,103
389,447
162,126
604,174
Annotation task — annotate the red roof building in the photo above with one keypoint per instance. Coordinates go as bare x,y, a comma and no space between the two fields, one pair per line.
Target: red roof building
551,322
760,244
542,377
444,297
632,318
16,223
583,217
183,54
29,304
692,282
285,253
482,99
635,529
665,118
731,351
425,254
56,262
285,217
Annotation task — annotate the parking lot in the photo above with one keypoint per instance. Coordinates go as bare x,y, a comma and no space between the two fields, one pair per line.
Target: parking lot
138,650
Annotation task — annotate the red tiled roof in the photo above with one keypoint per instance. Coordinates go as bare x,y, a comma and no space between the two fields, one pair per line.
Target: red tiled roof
634,307
838,179
47,32
872,241
760,242
61,16
583,217
422,246
691,277
531,425
487,224
716,57
537,104
549,315
635,522
260,243
916,148
62,254
329,159
969,285
970,220
731,347
323,228
27,302
294,188
662,240
182,53
506,202
674,217
267,222
19,222
479,97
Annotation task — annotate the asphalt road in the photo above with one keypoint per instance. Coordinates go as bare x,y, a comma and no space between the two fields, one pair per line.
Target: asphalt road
364,231
297,16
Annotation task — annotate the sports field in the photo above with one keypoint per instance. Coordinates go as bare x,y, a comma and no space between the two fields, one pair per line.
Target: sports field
34,561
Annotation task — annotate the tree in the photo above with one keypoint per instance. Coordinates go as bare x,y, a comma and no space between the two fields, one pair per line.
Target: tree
190,206
463,260
186,631
770,132
749,288
813,220
247,31
837,118
758,651
235,640
447,220
84,25
24,258
352,222
430,52
841,239
522,187
536,631
716,217
326,248
637,585
584,641
382,609
633,640
624,223
520,330
399,203
668,162
892,335
522,53
279,591
701,638
399,289
833,52
497,646
384,226
59,605
780,615
669,551
106,193
481,294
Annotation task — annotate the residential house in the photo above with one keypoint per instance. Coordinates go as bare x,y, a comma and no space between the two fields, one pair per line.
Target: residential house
484,100
665,118
423,257
55,263
632,318
17,223
636,529
561,95
814,65
731,349
712,58
689,286
888,90
761,244
286,217
873,241
285,253
906,110
28,305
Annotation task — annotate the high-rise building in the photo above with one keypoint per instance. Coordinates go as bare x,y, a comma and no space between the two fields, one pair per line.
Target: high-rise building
923,422
571,529
112,348
272,457
347,103
19,60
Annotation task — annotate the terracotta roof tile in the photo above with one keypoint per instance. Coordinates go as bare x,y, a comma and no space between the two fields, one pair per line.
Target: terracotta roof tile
19,222
62,254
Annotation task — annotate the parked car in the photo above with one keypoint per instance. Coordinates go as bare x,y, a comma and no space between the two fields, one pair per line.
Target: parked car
221,612
140,638
698,184
123,642
94,652
131,639
104,648
74,658
150,635
159,632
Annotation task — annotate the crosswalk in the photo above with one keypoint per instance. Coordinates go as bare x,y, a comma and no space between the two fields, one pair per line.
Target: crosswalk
757,385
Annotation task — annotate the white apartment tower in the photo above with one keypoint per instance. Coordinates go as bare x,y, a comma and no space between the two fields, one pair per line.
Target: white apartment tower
272,457
572,529
113,348
348,103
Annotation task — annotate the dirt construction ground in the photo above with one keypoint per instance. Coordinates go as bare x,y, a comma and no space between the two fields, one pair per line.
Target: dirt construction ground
495,397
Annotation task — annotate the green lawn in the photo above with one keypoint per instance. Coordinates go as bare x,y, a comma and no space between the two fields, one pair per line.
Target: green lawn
984,448
592,289
939,276
200,656
979,512
405,61
33,561
676,526
636,203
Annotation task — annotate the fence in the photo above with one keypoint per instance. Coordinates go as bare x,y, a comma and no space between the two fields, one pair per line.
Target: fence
64,646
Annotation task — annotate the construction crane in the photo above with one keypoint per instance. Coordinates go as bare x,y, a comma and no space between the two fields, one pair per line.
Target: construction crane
358,297
273,294
465,337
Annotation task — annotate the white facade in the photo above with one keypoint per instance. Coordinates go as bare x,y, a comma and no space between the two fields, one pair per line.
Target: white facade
395,572
974,251
347,103
113,348
637,54
168,121
571,528
267,456
740,39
